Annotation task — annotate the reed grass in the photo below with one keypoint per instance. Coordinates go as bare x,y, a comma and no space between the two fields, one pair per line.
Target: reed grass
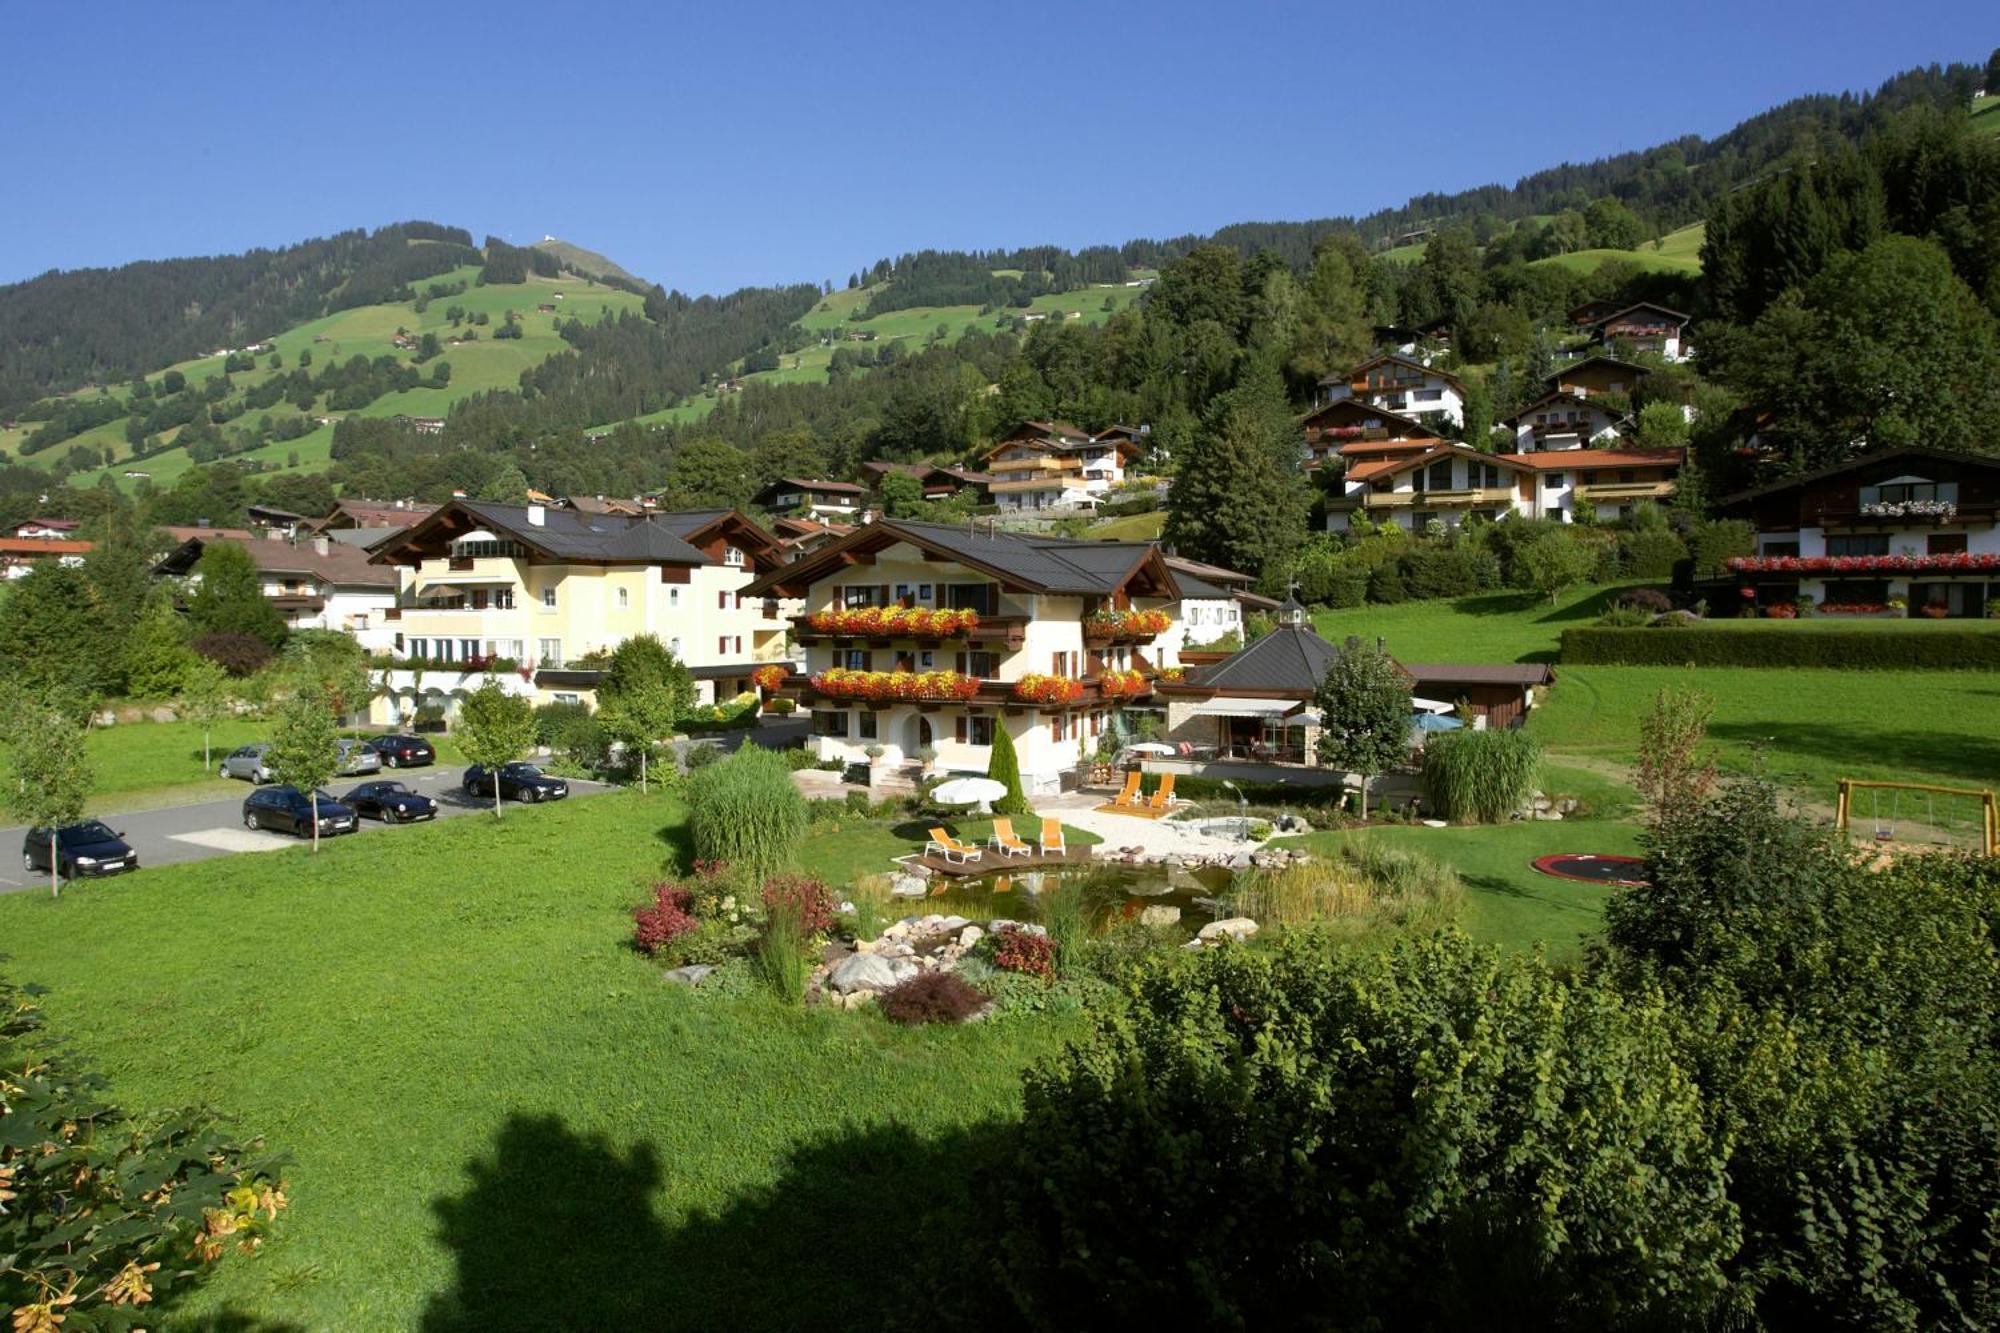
1481,777
1369,887
781,957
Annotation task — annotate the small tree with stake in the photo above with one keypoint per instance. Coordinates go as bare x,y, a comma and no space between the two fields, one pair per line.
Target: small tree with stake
304,746
205,699
51,774
494,728
1364,708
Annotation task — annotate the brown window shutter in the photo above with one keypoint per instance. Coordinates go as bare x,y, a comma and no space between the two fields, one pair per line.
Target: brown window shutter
958,664
958,728
868,661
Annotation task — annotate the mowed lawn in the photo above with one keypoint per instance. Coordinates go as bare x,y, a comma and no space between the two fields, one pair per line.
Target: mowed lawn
501,1117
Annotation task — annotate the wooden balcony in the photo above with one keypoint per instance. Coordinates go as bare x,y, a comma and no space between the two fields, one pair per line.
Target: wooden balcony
1608,492
992,694
1453,499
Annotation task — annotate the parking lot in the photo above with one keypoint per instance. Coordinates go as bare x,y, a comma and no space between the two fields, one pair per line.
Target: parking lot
215,828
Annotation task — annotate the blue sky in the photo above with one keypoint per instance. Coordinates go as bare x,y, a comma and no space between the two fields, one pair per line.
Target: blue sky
710,146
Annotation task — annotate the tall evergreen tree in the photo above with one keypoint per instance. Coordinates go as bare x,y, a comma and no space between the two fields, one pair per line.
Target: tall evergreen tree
229,596
1239,500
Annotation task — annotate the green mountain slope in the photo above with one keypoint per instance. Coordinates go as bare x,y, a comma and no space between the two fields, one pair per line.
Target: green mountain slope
585,261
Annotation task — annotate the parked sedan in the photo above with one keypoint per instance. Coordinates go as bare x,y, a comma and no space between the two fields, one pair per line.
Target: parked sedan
287,810
89,848
518,782
249,762
356,759
403,751
390,802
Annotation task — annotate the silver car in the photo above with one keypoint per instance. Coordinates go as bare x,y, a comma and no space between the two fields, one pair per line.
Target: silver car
249,762
356,758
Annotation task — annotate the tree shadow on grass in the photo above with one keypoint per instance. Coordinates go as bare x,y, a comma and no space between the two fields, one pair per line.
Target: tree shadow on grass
1975,759
865,1228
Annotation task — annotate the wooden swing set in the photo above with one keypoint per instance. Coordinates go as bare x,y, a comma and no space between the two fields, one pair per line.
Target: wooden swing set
1884,829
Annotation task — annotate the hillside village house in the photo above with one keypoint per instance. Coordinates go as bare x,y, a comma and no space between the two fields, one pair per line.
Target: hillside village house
1594,376
547,590
937,481
836,500
19,554
1915,525
1562,420
1252,714
1352,429
45,529
925,637
1054,465
801,536
1644,327
1401,384
316,582
1445,482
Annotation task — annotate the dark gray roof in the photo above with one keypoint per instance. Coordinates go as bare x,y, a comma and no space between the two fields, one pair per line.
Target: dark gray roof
565,533
1051,563
682,522
1294,660
1474,673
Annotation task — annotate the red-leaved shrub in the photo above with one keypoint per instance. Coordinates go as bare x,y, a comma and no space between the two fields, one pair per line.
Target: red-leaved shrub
238,654
665,919
1017,950
810,901
930,997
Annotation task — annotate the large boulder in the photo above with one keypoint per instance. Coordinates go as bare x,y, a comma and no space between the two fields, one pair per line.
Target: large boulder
1229,928
1159,914
869,971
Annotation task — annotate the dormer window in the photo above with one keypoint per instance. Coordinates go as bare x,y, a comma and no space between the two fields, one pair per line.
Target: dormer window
733,557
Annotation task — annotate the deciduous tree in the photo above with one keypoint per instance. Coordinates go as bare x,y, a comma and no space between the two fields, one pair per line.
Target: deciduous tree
494,728
1364,708
304,751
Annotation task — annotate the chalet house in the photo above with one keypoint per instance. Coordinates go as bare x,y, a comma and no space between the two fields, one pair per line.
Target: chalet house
820,499
926,637
1595,376
1605,483
1915,525
938,481
45,529
1562,420
802,536
1400,384
1645,327
423,425
1344,427
19,554
547,591
1439,481
316,582
1253,715
275,520
1446,482
1054,465
365,523
1589,313
1214,602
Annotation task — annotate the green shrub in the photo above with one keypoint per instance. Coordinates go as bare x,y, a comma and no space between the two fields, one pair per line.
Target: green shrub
1432,1136
1866,647
1385,585
1365,889
1711,544
1844,1025
1445,571
1003,765
1480,777
1650,553
745,812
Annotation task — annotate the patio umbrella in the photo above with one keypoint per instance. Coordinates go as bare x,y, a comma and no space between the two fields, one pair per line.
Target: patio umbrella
969,791
1435,722
1150,747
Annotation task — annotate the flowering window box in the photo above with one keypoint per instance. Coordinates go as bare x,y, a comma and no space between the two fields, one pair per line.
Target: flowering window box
1036,688
1122,684
896,686
770,678
1103,626
1938,511
891,622
1957,562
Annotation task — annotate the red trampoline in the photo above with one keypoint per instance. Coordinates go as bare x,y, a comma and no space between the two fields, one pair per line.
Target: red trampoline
1620,872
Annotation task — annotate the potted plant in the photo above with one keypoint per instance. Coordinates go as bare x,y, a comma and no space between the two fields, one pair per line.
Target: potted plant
927,756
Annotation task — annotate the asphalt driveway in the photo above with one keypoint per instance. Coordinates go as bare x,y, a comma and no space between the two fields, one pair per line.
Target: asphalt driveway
215,828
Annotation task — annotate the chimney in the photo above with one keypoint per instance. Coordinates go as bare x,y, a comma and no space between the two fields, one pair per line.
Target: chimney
321,544
537,515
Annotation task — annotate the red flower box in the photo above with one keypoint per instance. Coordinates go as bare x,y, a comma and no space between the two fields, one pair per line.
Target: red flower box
1122,684
1958,562
1126,624
769,678
1041,689
892,622
895,686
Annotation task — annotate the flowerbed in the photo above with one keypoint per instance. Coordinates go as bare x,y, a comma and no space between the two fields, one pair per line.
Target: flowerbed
1126,624
1122,684
1854,608
1958,562
915,622
1037,688
884,686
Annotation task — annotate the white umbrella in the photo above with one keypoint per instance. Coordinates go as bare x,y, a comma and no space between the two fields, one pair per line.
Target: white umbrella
969,791
1150,747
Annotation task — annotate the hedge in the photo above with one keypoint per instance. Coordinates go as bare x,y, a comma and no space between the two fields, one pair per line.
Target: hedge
1724,646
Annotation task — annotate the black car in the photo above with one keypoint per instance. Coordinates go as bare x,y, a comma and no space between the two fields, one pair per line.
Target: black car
390,802
518,782
89,848
287,810
403,751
